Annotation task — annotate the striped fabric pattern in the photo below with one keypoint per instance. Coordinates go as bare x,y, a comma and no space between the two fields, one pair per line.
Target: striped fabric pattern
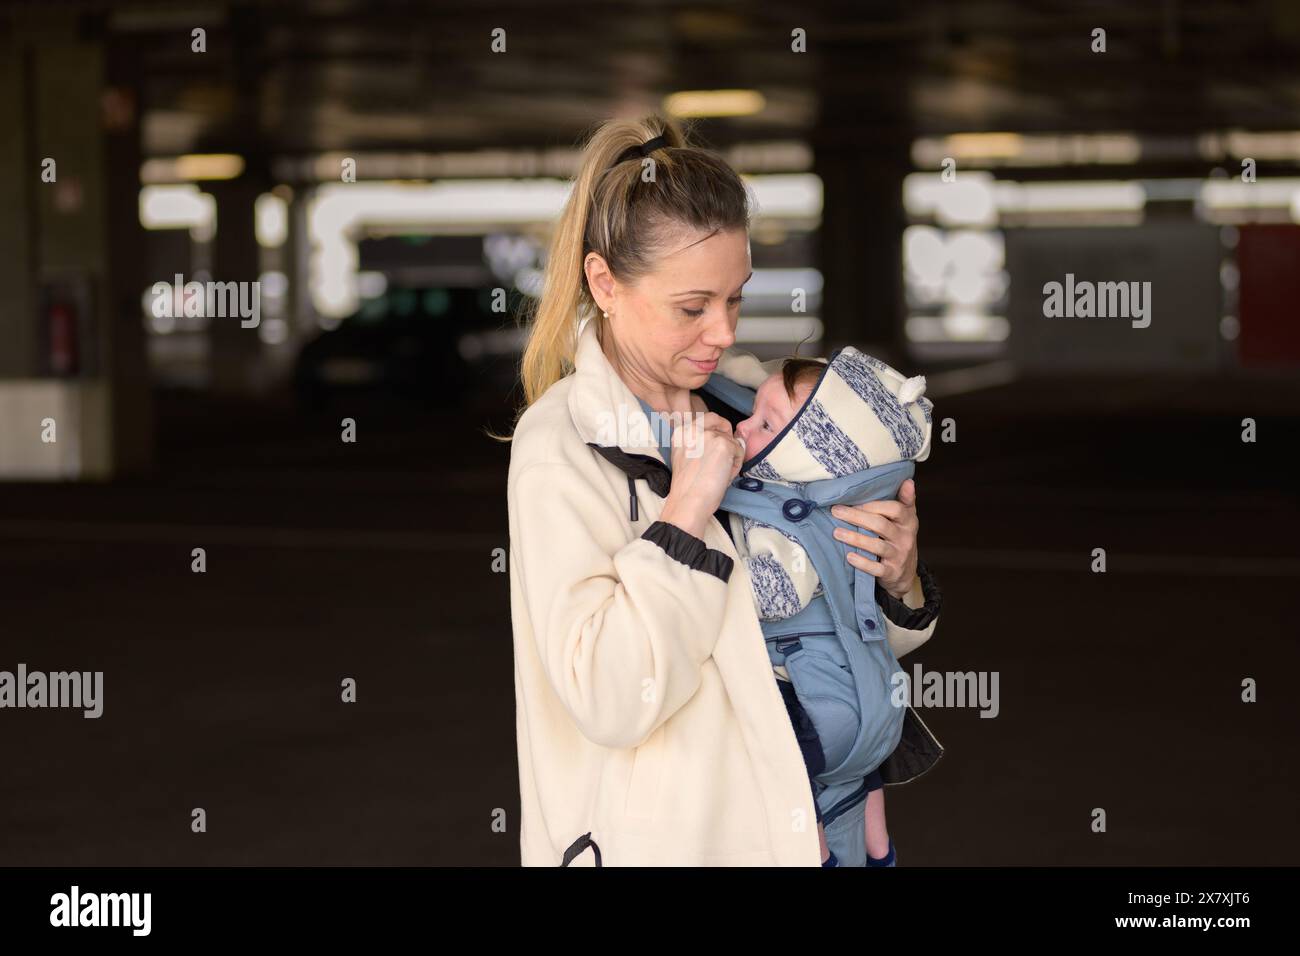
774,592
782,585
863,413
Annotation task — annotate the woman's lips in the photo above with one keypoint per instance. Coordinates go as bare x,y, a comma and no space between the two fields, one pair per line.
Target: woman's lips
704,366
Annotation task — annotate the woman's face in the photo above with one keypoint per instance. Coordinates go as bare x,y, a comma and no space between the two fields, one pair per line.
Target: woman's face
669,327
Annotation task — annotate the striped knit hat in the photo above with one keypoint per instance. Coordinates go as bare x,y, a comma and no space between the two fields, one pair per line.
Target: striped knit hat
861,414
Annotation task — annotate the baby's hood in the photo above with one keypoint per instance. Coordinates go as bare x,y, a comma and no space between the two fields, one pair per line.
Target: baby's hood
861,414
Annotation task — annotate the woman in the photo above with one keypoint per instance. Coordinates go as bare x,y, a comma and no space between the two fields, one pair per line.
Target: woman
650,728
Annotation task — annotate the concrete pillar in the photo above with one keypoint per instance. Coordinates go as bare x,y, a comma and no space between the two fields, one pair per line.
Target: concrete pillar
302,313
860,246
234,351
862,152
71,338
126,357
18,175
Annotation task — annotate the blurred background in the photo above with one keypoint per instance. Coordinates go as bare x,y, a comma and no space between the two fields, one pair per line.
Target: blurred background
388,174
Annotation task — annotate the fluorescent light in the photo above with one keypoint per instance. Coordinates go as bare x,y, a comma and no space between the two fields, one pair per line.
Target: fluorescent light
1016,149
786,194
968,201
176,207
714,103
1082,196
985,145
1277,145
209,166
782,282
1232,193
191,168
778,328
270,220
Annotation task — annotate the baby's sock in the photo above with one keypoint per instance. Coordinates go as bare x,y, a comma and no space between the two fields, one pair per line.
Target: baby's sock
886,860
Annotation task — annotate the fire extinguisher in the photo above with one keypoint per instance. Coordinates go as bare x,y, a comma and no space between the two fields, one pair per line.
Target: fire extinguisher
63,339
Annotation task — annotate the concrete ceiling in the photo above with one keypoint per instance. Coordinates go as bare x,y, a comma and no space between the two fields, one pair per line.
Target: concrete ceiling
302,76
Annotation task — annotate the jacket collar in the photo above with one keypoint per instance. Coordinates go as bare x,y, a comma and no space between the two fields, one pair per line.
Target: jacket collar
608,416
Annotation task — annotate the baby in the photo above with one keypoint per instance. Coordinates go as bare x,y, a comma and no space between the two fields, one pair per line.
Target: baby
811,421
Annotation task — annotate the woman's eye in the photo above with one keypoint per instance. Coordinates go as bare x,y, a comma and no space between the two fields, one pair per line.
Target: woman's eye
696,313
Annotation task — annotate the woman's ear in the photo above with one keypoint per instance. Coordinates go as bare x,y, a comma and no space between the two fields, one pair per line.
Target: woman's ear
600,281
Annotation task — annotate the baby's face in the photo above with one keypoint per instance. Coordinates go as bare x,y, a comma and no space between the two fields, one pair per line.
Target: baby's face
773,410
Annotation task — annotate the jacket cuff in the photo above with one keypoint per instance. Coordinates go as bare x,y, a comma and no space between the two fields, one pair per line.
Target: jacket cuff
688,549
912,619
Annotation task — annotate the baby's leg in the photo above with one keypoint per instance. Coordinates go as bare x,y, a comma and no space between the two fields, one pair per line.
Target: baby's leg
821,838
877,834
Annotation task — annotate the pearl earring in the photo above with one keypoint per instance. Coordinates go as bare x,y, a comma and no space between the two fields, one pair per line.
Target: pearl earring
605,314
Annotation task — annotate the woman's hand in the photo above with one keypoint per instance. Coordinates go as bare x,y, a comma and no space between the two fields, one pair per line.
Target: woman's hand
706,457
896,524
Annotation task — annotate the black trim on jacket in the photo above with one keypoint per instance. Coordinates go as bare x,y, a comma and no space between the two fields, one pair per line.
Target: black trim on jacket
914,619
578,845
654,471
688,549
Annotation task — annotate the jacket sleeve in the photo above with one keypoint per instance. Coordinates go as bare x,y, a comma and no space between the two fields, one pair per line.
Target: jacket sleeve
910,623
622,627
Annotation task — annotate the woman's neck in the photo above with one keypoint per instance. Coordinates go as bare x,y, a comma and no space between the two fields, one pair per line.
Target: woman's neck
660,397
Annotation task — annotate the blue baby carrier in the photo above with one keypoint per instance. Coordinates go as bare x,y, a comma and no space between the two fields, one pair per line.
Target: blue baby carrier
836,649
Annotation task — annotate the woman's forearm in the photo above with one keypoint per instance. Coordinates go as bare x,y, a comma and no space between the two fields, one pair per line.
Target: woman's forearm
690,516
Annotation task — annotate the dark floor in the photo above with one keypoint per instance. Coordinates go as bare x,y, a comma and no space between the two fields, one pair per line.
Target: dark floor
374,561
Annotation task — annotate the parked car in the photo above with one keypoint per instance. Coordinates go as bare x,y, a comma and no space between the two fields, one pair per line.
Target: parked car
404,342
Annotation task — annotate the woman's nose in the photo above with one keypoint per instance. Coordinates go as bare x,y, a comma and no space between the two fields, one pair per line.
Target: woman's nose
721,332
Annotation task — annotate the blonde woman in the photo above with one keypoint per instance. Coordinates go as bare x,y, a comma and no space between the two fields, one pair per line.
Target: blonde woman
650,728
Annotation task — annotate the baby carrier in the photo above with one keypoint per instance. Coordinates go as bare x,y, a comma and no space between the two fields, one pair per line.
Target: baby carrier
836,650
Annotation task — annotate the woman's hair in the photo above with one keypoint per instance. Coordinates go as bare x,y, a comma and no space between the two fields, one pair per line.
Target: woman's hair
629,219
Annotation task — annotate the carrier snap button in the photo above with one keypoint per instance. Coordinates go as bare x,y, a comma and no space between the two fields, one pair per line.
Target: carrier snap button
794,509
750,484
869,624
